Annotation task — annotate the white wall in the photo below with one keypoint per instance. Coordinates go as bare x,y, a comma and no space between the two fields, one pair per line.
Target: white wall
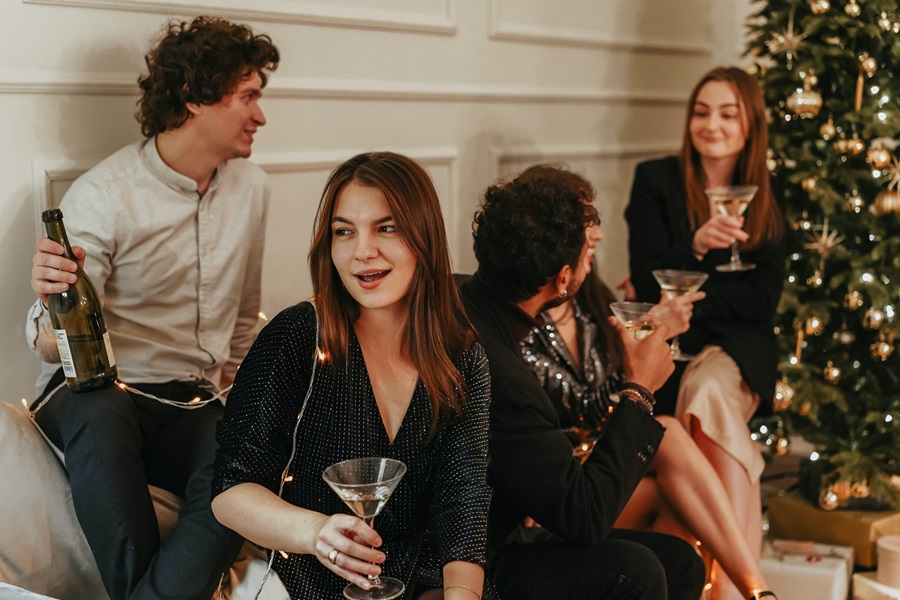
473,88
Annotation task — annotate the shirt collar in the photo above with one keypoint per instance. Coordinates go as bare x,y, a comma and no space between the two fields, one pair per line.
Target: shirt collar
520,323
168,175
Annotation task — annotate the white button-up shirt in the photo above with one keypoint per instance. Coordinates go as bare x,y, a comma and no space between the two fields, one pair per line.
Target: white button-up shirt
178,274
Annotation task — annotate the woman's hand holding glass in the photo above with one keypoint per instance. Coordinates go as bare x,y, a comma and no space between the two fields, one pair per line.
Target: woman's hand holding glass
717,233
681,309
356,545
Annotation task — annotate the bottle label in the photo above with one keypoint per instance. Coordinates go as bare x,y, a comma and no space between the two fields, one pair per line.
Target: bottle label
109,352
65,355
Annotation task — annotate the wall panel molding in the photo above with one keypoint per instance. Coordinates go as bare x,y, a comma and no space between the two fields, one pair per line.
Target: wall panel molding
572,152
537,34
331,89
277,11
47,173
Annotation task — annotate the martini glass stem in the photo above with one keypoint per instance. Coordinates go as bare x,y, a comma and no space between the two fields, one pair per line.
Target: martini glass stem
674,347
735,257
374,580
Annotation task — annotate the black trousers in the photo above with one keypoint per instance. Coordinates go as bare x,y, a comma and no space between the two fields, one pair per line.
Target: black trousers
115,444
627,565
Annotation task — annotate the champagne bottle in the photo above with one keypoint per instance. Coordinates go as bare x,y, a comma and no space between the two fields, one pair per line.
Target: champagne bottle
81,335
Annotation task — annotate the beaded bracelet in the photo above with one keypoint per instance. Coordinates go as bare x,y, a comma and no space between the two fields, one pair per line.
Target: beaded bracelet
468,589
639,394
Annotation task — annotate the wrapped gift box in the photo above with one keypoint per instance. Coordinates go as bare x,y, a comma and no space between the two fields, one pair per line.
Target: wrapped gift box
805,570
792,517
867,587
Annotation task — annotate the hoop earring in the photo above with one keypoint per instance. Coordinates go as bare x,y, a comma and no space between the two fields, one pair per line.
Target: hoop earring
563,294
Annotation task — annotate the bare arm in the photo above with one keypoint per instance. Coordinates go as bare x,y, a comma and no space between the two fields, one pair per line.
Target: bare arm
265,519
463,580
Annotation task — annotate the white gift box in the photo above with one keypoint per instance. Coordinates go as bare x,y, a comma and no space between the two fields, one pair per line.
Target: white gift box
805,570
867,587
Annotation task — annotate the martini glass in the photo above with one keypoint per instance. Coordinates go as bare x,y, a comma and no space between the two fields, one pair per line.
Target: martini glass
732,201
365,485
675,283
639,318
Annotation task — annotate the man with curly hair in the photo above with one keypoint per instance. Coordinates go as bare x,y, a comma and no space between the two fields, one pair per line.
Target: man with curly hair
171,232
534,241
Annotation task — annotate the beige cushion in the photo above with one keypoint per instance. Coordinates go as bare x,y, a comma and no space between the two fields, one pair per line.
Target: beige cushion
42,547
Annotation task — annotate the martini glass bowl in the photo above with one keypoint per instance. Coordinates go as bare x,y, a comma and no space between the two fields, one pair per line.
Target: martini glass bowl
639,318
732,201
675,283
365,485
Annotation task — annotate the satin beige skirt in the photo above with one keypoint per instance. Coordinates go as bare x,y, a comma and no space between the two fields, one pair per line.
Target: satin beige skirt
713,392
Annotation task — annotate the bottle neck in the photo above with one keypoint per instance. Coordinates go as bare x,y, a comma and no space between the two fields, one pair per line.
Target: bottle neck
56,231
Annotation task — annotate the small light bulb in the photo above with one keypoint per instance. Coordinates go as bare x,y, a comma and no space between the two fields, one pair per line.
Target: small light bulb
814,456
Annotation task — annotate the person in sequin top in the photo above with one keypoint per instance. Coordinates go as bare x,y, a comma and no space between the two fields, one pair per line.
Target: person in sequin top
398,374
577,358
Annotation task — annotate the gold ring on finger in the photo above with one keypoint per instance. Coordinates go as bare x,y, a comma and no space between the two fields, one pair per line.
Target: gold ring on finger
332,556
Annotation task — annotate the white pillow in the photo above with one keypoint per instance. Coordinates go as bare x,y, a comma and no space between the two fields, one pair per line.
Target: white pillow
42,547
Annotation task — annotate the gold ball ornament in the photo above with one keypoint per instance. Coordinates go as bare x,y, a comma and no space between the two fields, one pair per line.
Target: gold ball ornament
852,9
832,373
805,408
844,336
860,489
887,201
828,500
841,489
853,300
882,349
784,395
855,145
827,130
806,103
855,203
873,318
815,280
895,481
781,444
814,326
820,7
884,22
869,65
878,157
809,183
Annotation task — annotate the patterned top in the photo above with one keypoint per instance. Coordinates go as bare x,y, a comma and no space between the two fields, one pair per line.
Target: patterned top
444,490
582,396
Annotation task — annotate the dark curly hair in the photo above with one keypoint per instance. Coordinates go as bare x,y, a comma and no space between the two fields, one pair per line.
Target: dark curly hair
528,229
199,63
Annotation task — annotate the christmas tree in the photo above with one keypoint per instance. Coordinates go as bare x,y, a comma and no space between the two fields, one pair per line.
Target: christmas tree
828,72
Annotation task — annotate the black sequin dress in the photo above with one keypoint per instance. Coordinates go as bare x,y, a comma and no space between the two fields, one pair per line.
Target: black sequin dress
584,397
443,492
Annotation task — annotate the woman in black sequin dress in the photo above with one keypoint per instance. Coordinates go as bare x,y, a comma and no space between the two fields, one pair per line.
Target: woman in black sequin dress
395,373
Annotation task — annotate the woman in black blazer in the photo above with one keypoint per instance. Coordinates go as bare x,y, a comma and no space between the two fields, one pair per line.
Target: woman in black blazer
672,225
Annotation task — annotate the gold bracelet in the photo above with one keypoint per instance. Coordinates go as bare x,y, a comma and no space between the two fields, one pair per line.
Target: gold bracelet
468,589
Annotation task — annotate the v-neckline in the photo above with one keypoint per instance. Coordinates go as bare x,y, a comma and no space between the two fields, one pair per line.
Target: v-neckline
374,400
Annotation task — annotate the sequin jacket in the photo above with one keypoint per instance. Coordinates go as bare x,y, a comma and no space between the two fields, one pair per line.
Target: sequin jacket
532,469
582,396
444,490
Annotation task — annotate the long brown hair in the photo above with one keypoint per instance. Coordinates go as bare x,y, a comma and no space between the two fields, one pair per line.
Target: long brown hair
763,218
437,329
